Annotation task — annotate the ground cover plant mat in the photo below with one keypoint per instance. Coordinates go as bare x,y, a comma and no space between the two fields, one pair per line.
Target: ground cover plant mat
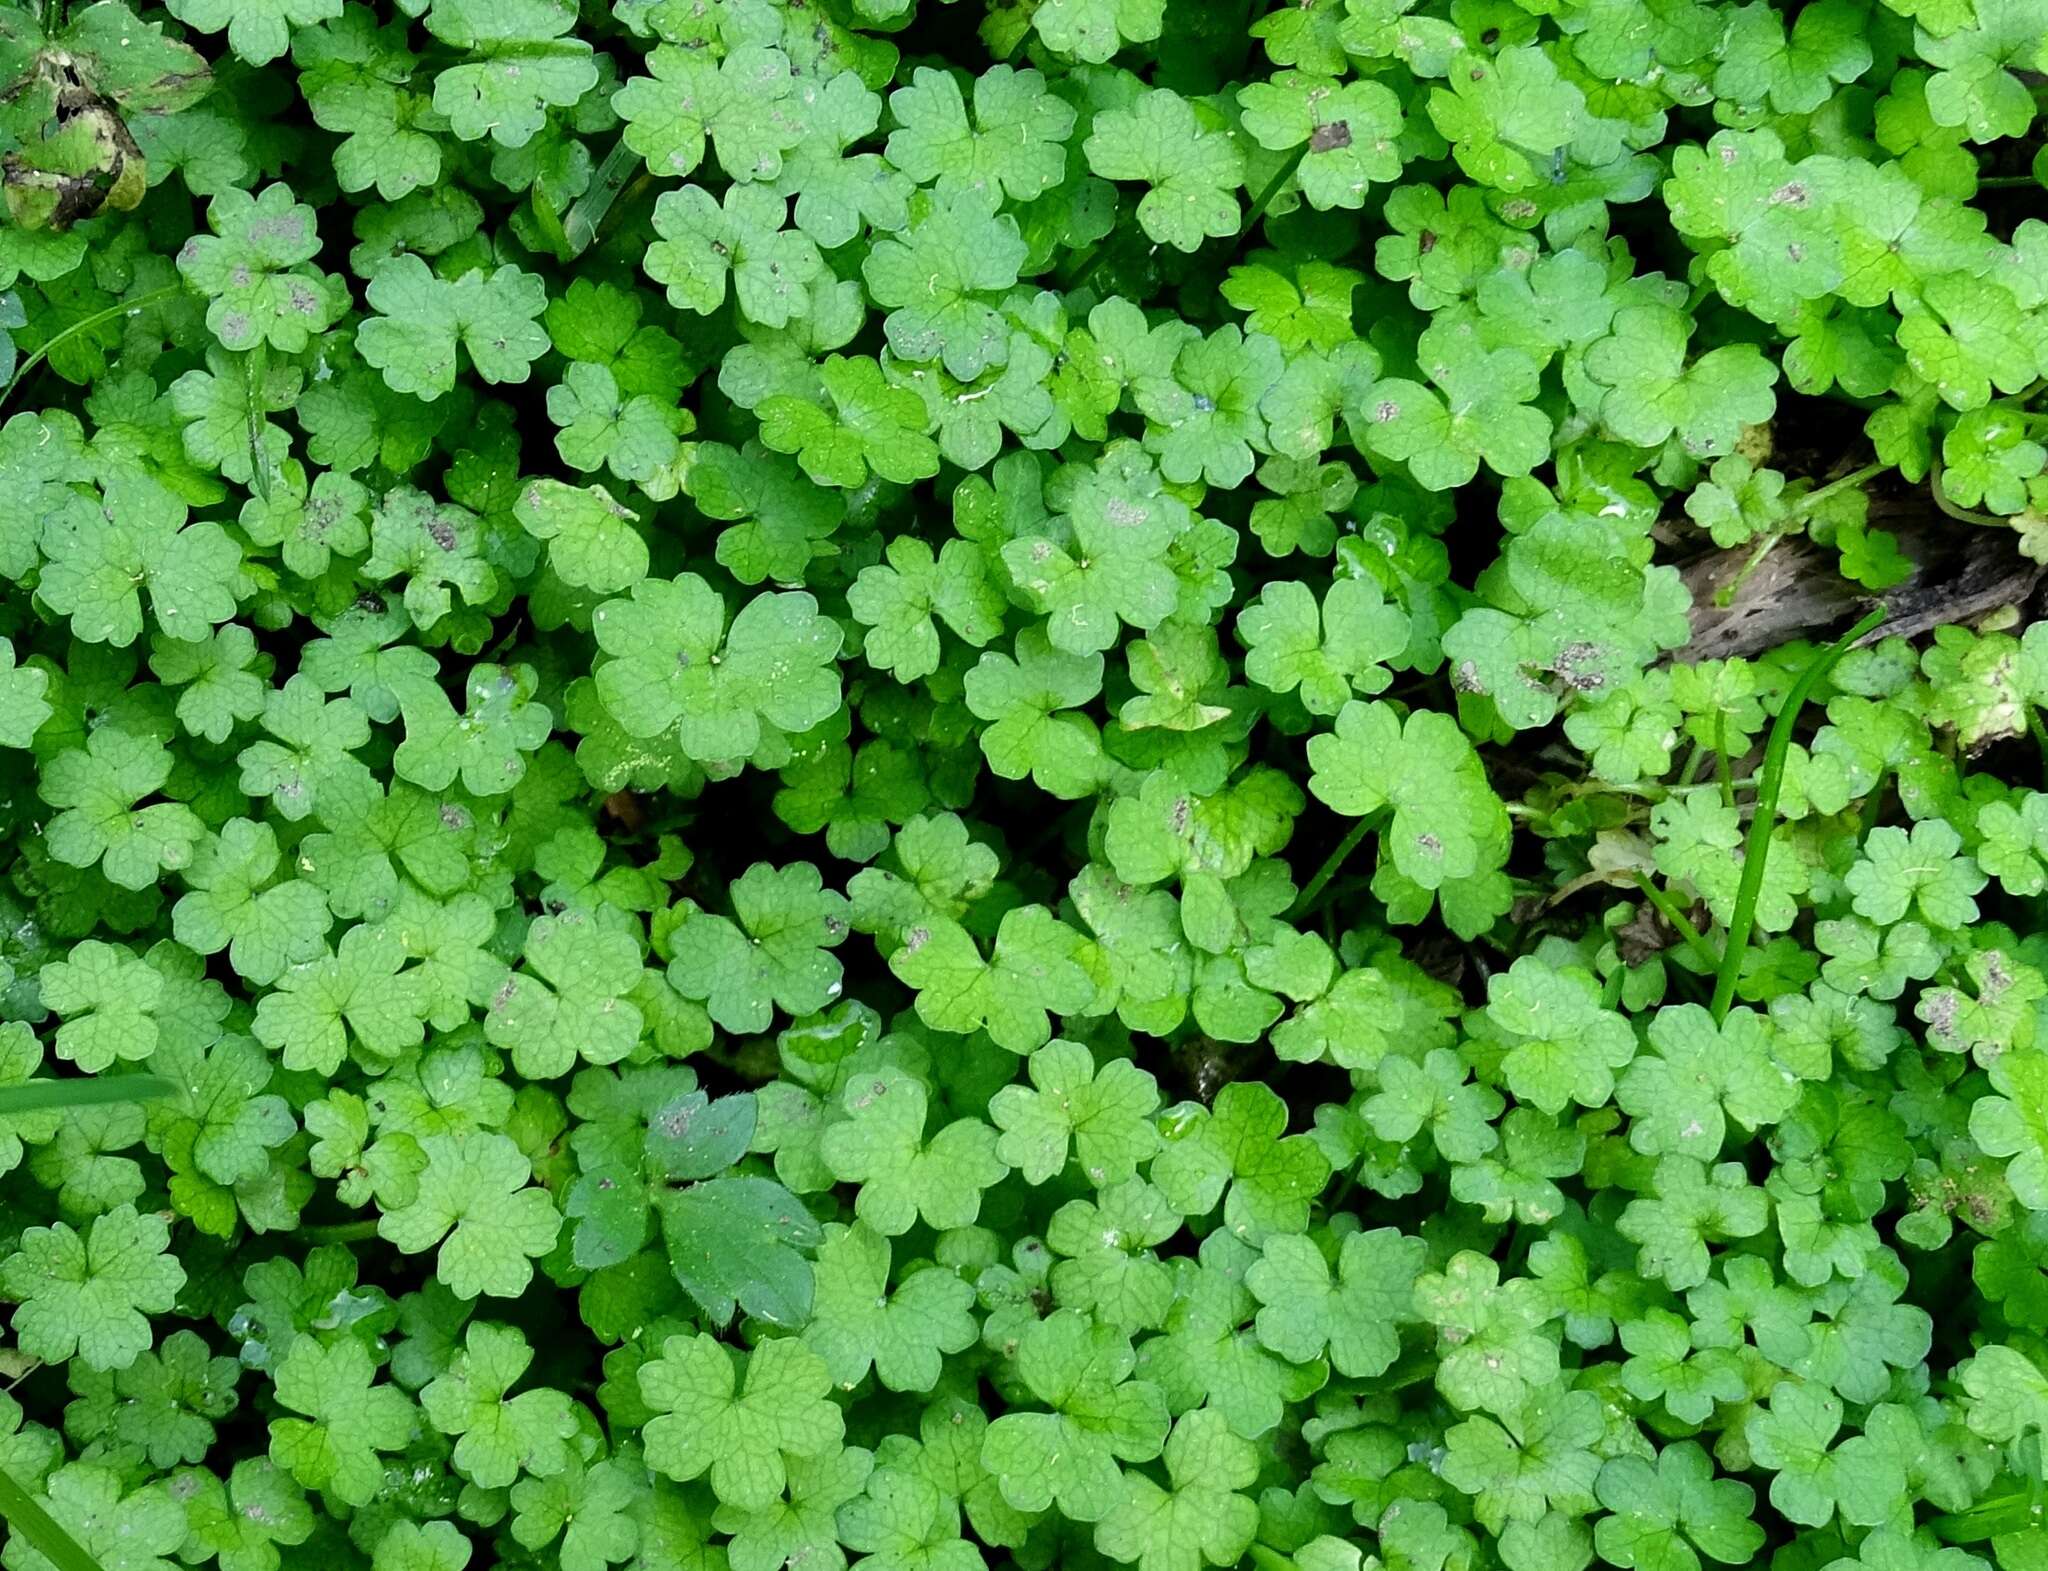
1023,785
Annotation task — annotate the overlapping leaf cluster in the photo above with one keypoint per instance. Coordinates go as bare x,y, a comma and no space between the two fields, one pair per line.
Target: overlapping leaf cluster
918,787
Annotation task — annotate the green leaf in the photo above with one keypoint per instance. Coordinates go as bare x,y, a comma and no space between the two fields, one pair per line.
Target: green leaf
90,1293
1666,1515
474,1202
517,65
675,659
1355,1313
941,277
1202,1520
741,1433
1098,1418
882,1147
1653,392
1236,1154
497,1437
348,1420
1033,971
1447,823
592,541
706,244
259,30
745,106
741,1241
421,320
1014,140
770,956
1104,1114
1191,172
854,423
857,1323
252,269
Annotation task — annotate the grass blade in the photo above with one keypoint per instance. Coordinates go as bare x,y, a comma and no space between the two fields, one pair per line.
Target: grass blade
1757,848
587,213
38,1096
134,307
41,1531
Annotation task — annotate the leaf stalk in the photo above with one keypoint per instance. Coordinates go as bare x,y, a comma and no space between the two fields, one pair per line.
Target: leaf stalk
1306,900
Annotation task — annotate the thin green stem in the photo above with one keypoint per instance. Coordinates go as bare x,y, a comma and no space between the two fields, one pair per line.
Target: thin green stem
37,1096
1742,783
1264,199
42,1532
255,371
133,307
1724,766
1873,805
1757,847
1725,595
1344,1189
339,1233
1678,921
1094,259
1306,900
2039,732
1820,494
1610,990
1962,515
1693,760
1797,513
1997,182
